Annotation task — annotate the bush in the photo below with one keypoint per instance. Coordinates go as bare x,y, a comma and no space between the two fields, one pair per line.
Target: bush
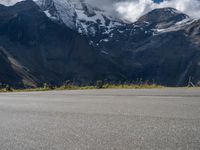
1,86
8,88
106,86
51,87
66,83
48,86
99,84
198,83
45,86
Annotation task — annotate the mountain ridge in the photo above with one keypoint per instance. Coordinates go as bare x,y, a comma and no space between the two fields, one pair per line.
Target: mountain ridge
37,46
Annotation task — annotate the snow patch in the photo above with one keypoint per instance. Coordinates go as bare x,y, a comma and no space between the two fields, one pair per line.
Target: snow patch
178,26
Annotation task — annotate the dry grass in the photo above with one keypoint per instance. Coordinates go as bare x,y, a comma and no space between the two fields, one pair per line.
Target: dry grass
74,87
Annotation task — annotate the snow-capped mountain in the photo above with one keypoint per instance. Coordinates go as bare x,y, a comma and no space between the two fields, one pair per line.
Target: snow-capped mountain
85,44
59,10
97,24
101,28
79,15
35,50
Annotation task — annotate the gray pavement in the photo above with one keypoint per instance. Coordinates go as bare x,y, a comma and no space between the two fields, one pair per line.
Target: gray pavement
157,119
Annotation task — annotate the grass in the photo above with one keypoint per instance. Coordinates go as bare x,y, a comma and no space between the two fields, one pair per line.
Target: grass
74,87
131,86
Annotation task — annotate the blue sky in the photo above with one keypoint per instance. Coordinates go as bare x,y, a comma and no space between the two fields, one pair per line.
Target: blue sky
157,1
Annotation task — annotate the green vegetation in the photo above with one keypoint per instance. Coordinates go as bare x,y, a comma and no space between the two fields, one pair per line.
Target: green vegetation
99,85
131,86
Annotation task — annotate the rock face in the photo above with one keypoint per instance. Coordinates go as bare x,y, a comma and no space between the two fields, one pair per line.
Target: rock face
162,46
52,41
37,50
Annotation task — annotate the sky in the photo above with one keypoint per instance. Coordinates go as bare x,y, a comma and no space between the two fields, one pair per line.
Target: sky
157,1
133,9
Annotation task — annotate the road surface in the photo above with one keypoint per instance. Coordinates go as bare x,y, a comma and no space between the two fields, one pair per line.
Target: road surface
157,119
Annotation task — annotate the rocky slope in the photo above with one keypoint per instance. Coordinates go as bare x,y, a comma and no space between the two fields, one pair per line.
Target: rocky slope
37,50
80,16
161,46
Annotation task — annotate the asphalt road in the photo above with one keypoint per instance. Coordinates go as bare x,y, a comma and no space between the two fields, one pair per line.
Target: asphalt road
166,119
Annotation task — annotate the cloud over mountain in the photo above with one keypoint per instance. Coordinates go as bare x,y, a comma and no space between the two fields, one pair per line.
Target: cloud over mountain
9,2
132,10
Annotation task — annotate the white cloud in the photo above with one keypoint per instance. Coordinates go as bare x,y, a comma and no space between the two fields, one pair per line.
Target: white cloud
132,10
9,2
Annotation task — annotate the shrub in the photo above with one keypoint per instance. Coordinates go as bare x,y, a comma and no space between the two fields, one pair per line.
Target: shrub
198,83
1,86
106,86
99,84
48,86
51,87
45,86
8,88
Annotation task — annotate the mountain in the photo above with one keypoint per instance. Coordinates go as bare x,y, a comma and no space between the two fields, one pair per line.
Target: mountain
158,47
53,41
35,50
82,17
